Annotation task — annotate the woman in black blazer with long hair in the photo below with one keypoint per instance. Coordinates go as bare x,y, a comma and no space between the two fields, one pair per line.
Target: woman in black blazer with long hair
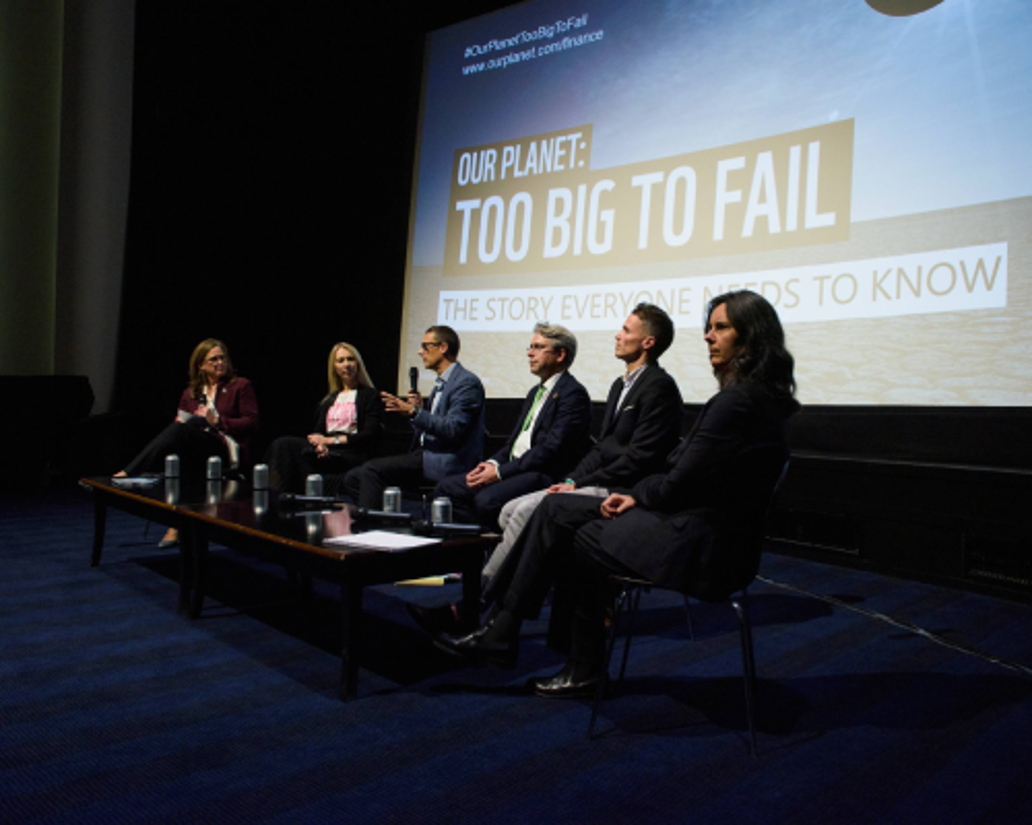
347,429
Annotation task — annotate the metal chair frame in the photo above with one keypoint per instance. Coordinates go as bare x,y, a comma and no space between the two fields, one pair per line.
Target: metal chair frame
629,596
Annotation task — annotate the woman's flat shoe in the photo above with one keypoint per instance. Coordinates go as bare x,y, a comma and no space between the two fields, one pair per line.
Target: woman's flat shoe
171,539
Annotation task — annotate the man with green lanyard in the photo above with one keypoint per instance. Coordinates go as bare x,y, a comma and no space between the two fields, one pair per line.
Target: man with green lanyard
551,434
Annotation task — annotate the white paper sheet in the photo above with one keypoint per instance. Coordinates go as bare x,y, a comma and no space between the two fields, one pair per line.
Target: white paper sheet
383,540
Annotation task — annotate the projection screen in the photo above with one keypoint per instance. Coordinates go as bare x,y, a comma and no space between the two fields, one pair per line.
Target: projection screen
864,165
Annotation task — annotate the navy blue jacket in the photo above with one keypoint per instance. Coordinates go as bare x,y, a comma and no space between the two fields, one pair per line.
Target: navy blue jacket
561,434
454,441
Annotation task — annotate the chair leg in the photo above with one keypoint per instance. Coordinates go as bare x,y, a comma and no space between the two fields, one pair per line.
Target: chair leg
633,600
748,664
600,691
632,611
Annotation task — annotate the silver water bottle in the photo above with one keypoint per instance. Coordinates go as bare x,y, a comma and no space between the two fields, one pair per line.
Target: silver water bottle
172,466
392,500
260,477
214,468
441,511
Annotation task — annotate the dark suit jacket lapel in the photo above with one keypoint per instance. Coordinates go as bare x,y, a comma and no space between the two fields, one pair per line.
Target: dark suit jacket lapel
610,415
322,410
449,386
519,421
635,390
684,442
551,398
417,434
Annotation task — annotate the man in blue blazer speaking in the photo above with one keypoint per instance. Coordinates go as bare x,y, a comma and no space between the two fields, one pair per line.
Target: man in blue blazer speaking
551,435
448,435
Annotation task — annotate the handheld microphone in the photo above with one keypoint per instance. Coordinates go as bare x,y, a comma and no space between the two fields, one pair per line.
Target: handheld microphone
413,379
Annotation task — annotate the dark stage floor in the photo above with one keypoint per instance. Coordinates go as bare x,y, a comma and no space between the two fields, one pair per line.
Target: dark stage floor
880,700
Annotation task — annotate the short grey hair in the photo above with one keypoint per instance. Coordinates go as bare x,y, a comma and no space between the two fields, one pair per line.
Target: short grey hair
560,338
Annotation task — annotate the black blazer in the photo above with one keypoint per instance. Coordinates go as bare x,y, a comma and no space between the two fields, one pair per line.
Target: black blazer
368,406
634,442
561,434
699,525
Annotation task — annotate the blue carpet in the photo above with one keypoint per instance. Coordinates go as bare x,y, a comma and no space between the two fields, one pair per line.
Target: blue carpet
114,708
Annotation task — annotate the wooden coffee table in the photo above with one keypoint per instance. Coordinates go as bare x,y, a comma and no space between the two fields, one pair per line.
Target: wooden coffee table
244,520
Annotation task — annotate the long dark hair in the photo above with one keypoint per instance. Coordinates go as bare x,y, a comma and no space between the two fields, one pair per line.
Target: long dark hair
763,356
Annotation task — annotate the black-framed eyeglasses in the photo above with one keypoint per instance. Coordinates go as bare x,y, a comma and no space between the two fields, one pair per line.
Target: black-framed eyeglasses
426,345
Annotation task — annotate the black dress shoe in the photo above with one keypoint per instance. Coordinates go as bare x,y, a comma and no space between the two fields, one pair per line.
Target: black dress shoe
480,649
442,619
566,684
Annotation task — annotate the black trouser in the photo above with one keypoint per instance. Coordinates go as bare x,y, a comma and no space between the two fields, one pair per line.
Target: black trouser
292,459
193,444
561,544
366,484
482,506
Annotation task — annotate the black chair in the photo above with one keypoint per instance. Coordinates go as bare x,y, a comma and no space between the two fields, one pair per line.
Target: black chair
767,467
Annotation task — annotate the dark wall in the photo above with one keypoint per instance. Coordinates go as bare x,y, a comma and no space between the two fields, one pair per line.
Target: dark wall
271,176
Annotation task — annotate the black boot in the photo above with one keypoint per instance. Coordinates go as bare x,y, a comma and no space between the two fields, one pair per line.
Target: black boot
496,643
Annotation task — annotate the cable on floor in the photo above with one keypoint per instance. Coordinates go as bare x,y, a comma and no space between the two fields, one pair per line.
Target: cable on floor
912,628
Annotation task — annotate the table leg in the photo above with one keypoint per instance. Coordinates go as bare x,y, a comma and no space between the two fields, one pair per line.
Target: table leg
471,591
186,557
351,617
199,540
300,583
99,524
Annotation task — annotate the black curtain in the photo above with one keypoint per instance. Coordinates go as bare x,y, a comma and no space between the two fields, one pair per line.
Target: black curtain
272,159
